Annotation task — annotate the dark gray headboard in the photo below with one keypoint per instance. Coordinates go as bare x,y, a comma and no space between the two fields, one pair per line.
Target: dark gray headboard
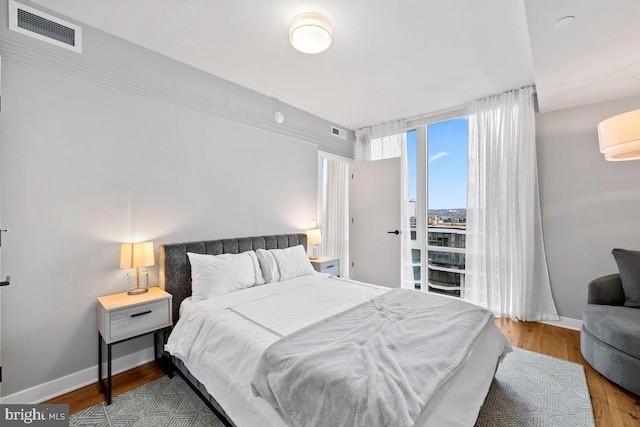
175,270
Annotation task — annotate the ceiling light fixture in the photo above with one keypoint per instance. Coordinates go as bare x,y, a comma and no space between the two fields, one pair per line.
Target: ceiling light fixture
310,32
563,22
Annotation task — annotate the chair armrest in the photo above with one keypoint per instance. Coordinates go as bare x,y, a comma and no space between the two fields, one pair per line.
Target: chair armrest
606,290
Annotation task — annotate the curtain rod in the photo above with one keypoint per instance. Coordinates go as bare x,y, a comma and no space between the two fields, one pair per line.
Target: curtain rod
466,105
438,112
426,116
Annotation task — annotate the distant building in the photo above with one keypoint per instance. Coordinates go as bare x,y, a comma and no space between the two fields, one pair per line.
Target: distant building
446,243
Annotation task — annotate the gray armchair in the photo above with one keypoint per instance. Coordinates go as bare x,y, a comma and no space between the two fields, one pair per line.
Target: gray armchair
610,336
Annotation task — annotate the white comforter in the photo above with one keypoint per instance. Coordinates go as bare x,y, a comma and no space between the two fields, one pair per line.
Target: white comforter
377,364
220,340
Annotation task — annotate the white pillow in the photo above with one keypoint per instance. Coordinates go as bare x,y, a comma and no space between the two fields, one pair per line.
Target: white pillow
293,262
268,265
213,275
284,264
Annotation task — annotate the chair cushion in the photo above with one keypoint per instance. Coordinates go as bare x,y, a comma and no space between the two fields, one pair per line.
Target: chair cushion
629,267
614,325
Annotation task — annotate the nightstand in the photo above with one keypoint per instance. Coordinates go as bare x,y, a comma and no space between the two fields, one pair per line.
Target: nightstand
325,264
122,317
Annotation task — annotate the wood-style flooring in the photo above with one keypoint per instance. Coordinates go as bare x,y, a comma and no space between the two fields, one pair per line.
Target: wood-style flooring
90,395
612,405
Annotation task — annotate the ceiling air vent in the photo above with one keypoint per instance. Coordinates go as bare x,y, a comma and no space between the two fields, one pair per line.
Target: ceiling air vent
42,26
340,133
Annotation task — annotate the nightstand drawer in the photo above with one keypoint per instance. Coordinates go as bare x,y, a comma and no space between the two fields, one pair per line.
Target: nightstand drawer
132,321
326,265
332,267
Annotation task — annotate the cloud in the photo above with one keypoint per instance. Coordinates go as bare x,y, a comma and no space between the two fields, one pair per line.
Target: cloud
437,156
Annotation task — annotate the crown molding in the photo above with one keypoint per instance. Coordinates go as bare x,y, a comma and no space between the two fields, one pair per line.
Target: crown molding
41,60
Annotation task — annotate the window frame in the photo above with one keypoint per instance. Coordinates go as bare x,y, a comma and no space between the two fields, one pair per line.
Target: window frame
422,197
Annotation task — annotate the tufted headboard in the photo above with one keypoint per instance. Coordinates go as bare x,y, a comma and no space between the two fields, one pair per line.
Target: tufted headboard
175,270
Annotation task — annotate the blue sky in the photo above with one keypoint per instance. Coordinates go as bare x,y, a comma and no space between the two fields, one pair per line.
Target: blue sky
446,165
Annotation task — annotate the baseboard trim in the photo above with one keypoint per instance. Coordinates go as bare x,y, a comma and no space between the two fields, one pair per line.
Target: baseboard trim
565,322
71,382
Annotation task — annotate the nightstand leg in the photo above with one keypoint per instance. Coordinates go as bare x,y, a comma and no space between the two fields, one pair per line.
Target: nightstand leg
155,346
108,374
162,360
100,386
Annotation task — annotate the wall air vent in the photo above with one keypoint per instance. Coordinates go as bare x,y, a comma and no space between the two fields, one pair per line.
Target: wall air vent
340,133
42,26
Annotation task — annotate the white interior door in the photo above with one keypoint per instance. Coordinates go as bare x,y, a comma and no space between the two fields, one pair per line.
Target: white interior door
374,209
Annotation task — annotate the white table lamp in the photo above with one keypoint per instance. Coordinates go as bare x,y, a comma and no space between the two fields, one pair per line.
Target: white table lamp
136,255
314,238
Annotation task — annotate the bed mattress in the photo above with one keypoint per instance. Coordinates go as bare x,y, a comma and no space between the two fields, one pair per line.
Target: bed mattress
220,341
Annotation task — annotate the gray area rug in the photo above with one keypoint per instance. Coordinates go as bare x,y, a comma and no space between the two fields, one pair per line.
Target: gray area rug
529,389
163,402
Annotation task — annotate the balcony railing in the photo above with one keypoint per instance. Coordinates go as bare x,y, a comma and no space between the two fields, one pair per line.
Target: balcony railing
446,259
445,263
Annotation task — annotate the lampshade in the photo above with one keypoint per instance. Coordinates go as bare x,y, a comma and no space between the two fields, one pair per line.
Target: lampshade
619,136
314,237
134,255
310,32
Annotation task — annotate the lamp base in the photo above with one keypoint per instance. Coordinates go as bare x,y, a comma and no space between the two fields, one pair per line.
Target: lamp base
137,291
314,252
138,282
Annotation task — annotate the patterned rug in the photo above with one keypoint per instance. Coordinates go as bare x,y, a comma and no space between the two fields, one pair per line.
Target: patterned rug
529,389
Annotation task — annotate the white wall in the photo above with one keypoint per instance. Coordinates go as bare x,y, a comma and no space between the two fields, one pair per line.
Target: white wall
121,144
589,206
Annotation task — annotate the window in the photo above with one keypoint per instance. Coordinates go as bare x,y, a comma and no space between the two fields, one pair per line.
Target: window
437,161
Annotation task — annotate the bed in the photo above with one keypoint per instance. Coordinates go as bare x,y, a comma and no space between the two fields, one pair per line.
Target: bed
220,345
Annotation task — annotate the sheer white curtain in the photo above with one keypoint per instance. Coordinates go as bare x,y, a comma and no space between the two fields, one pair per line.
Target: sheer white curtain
386,141
379,142
506,268
335,212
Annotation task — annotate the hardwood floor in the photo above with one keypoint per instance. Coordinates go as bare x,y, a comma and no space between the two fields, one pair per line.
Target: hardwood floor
88,396
612,405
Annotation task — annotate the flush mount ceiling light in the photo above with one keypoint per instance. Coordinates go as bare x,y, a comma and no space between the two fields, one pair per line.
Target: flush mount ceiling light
563,22
310,32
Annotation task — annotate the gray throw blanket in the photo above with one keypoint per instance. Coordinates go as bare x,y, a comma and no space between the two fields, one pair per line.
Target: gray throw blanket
376,364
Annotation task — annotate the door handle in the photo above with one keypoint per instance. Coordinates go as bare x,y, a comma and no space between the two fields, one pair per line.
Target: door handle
396,232
6,282
2,231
